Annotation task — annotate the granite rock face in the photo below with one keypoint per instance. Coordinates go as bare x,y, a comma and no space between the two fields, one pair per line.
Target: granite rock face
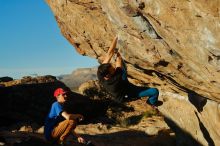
173,45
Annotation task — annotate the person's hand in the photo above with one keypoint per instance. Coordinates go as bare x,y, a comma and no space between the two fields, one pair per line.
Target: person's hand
118,54
116,50
76,116
81,140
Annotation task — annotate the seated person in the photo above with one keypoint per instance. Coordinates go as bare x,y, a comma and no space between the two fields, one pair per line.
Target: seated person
59,124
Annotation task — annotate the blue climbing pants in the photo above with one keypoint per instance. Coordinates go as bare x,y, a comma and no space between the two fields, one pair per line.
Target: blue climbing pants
134,92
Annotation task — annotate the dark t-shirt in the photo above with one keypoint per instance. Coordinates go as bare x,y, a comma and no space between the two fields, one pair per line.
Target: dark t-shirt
115,85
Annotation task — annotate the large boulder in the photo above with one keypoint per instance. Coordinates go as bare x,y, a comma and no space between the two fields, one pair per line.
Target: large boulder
173,45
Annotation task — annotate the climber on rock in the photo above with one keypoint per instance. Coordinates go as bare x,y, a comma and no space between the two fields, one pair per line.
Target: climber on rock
114,79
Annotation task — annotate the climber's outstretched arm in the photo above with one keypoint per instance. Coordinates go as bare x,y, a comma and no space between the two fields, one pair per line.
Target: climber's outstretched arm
110,52
118,62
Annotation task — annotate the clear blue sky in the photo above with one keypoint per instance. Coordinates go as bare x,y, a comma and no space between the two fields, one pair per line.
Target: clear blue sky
31,42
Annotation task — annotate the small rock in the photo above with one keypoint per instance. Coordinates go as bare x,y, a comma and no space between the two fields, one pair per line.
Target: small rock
152,131
26,129
40,130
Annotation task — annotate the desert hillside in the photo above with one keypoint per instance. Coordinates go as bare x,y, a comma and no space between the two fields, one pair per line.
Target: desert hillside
77,77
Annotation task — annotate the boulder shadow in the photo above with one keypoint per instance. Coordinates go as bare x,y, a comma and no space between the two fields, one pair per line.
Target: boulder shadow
205,132
94,111
197,100
133,138
121,138
183,137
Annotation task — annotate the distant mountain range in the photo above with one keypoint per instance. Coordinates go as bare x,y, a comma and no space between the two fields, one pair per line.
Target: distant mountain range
78,76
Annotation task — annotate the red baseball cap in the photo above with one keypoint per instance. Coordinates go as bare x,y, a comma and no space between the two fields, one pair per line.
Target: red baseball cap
59,91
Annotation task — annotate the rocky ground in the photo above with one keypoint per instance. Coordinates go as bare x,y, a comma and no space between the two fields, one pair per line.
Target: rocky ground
141,128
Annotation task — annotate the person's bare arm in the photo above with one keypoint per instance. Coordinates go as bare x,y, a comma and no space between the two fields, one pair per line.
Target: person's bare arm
118,61
110,52
68,116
